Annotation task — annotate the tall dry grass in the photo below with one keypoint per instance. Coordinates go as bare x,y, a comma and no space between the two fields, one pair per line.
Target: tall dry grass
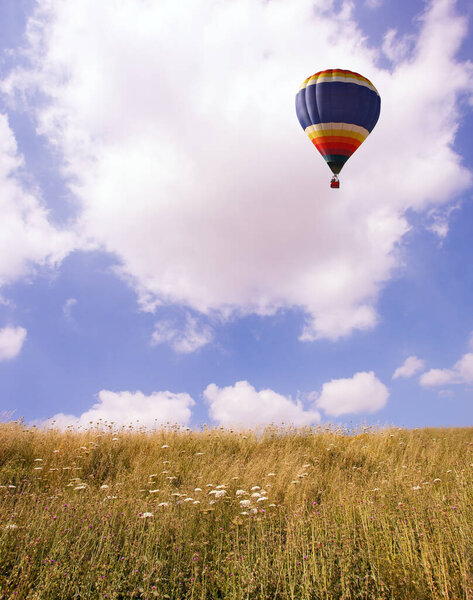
302,514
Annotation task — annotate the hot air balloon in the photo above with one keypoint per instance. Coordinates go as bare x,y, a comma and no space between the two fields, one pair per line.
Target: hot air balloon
337,109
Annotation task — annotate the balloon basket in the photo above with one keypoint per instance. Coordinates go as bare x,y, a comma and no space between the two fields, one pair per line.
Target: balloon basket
335,183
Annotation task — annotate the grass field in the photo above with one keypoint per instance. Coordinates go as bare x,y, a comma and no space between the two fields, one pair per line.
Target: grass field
303,514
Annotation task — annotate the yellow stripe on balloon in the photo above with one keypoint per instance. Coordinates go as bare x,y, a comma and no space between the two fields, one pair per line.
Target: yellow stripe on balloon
339,129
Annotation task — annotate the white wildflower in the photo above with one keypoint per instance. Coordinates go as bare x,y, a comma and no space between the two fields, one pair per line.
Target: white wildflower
221,487
11,526
255,495
253,511
436,479
262,499
245,503
416,487
153,491
82,486
146,515
188,499
198,490
164,446
255,487
163,504
196,502
241,493
271,475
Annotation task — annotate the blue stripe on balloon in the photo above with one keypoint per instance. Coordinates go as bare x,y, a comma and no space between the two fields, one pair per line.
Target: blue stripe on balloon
338,102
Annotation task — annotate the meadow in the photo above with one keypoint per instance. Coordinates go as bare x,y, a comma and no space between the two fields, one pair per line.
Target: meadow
173,514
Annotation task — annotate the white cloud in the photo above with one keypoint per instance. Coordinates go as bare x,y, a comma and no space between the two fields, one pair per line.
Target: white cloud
11,342
364,392
124,408
192,336
27,238
67,308
241,405
176,122
461,373
411,366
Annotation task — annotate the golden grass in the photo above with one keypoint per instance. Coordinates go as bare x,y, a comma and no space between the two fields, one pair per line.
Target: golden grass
377,514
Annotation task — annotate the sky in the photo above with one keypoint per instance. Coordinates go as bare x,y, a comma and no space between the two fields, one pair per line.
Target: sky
170,248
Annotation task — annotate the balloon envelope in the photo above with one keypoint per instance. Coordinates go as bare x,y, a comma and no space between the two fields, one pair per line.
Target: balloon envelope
337,109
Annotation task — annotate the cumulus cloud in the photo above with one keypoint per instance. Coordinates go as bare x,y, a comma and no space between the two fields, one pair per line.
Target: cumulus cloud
364,392
124,408
11,342
27,238
189,338
461,373
241,405
176,124
411,366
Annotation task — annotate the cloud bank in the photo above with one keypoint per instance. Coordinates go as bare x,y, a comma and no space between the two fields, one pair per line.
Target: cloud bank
136,408
176,124
363,392
460,373
241,405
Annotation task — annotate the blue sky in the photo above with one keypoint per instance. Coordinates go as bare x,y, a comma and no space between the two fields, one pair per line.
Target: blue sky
170,249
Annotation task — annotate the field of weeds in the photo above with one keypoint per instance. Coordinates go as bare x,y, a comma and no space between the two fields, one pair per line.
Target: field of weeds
300,514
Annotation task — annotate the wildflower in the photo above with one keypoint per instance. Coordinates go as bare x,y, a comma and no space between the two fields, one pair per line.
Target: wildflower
165,462
243,513
153,491
416,487
146,515
12,486
152,475
55,451
271,475
272,504
221,487
295,481
261,499
302,475
375,490
104,487
38,468
38,460
255,487
82,486
255,495
436,479
305,466
198,490
164,446
449,470
163,504
188,499
115,439
196,502
253,511
241,493
11,527
245,503
209,485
